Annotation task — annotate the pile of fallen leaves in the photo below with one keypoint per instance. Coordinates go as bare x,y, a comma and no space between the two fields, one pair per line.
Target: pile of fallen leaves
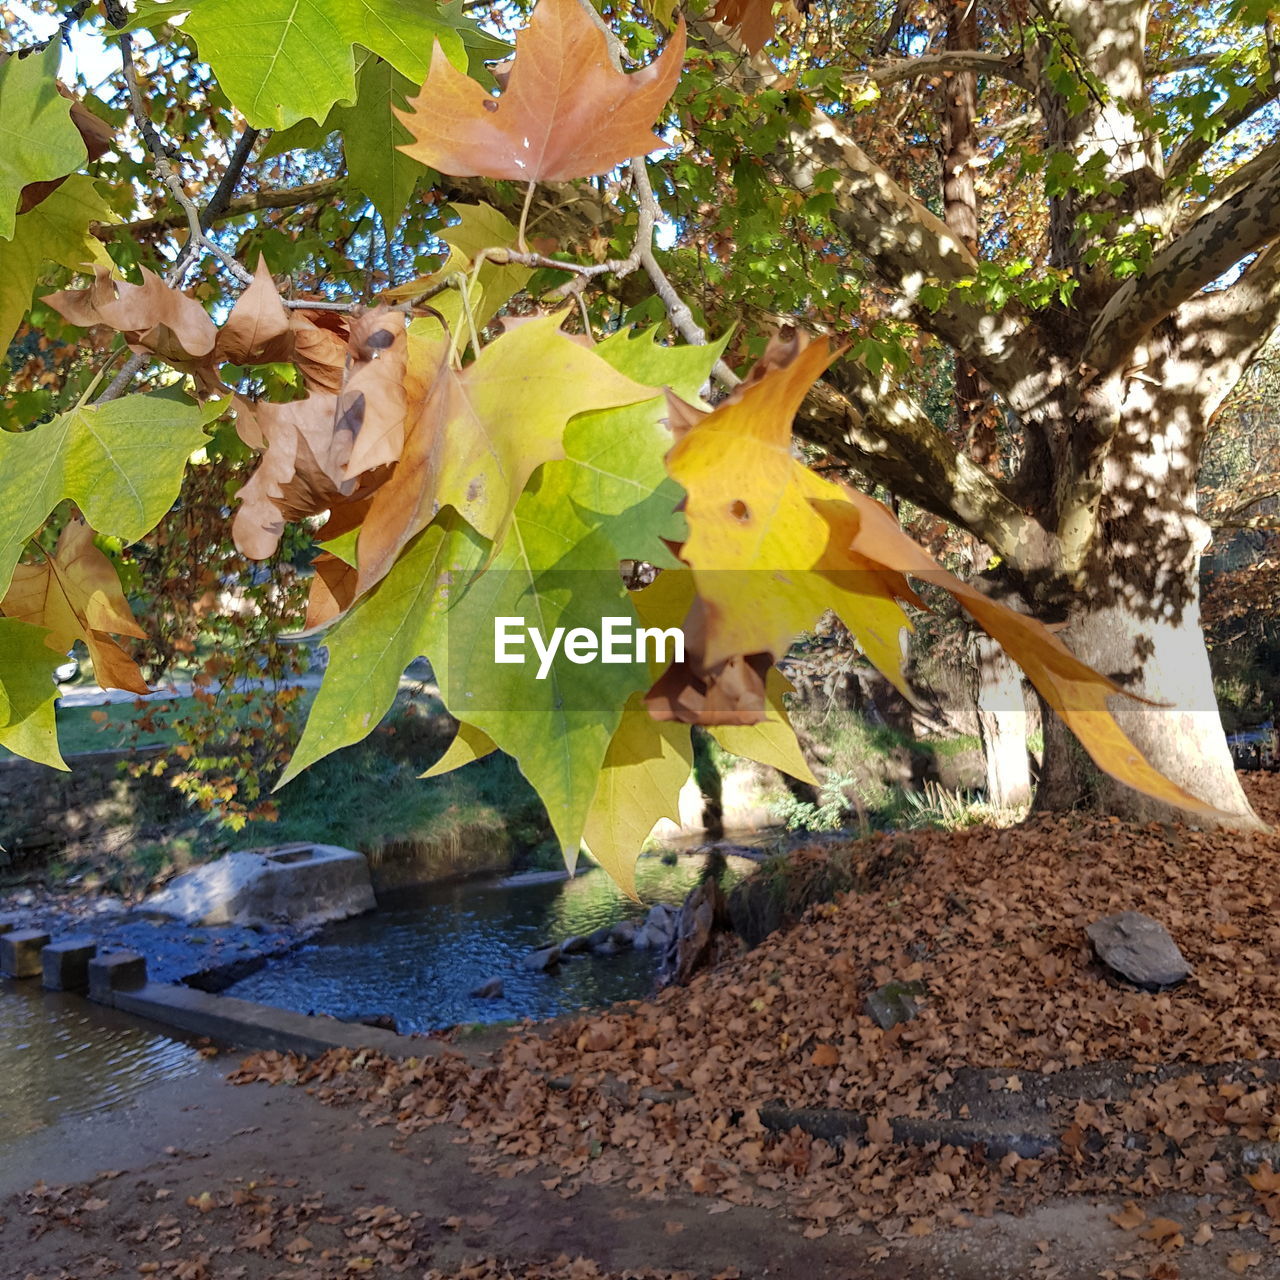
669,1093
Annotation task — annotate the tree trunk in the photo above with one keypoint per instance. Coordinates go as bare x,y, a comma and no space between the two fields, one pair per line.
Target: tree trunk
1136,618
1179,730
1002,724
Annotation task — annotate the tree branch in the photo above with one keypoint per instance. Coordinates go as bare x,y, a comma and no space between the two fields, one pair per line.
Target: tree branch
223,192
1211,245
1188,153
1249,172
1230,326
906,245
63,32
945,62
868,422
235,207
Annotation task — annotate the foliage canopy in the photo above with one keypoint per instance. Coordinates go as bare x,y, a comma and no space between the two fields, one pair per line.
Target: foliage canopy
435,376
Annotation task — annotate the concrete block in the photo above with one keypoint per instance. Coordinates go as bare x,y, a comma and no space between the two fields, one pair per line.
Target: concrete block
20,953
9,921
116,971
299,884
66,964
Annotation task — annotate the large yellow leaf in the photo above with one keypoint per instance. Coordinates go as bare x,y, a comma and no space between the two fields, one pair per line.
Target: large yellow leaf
772,545
76,594
755,540
469,744
771,741
646,765
1073,689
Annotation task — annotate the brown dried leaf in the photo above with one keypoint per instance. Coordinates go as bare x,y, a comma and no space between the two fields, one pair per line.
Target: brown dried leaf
76,594
566,111
373,400
152,317
258,330
308,443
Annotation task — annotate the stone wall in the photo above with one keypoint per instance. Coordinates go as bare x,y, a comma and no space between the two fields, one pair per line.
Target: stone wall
44,810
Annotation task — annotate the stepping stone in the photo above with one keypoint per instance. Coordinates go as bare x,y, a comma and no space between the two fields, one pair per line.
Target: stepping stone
66,964
116,971
20,953
540,961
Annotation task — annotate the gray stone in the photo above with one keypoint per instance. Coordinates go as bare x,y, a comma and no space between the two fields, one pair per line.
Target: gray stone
598,938
20,953
540,961
662,918
606,948
66,964
297,884
623,933
383,1021
491,990
658,929
1138,948
574,944
893,1003
9,921
116,971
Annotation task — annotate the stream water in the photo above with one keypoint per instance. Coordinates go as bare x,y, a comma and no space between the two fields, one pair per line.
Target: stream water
417,958
420,955
62,1057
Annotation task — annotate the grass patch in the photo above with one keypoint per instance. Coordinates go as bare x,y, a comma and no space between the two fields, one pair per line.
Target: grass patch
370,797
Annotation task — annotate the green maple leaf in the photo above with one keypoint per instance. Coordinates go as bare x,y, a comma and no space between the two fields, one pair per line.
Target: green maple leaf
281,61
27,693
121,463
553,569
56,230
622,480
370,648
38,141
479,227
606,501
371,136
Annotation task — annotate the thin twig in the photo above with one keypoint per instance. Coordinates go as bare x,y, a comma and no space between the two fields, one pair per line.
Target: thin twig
74,14
120,383
197,242
649,212
226,188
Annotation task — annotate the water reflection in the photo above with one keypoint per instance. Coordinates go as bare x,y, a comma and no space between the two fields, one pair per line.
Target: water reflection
420,955
61,1056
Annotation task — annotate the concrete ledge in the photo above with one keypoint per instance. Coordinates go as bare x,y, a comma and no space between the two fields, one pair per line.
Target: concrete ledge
254,1026
20,953
9,921
66,964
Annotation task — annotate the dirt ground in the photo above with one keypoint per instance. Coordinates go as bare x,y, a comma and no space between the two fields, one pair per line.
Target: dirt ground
206,1181
632,1142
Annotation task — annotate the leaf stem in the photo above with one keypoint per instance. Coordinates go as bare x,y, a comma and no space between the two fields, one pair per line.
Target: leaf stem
524,218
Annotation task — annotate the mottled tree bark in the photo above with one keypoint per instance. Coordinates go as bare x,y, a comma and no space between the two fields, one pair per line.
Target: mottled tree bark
1111,393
